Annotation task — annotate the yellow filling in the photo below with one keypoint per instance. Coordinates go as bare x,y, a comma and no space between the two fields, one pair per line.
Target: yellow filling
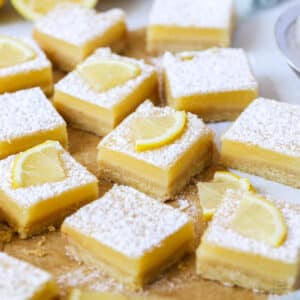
246,262
28,141
48,291
238,152
138,268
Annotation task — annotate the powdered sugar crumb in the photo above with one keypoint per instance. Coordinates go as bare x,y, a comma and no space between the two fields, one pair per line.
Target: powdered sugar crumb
140,223
27,112
192,13
210,71
268,124
122,140
76,24
20,280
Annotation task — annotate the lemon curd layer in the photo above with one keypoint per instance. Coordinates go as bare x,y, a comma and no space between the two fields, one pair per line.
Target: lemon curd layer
34,72
146,237
265,141
227,256
191,25
70,32
216,84
100,112
32,209
160,172
28,119
20,280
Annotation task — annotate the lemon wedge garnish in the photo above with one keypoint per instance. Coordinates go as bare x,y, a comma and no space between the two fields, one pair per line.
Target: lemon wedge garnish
38,165
105,74
211,193
34,9
156,131
14,52
259,219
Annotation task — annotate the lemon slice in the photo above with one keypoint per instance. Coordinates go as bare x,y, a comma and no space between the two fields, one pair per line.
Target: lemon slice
103,75
234,181
156,131
38,165
14,52
259,219
34,9
211,193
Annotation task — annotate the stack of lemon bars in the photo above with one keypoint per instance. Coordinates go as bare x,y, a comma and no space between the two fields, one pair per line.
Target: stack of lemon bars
149,150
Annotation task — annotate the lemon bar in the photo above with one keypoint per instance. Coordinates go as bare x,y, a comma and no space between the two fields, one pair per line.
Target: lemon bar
22,281
27,119
128,235
160,172
70,32
101,111
34,70
177,25
265,140
216,84
32,209
230,257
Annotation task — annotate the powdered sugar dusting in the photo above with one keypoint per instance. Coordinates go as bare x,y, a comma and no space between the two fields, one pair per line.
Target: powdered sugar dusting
73,84
192,13
27,112
270,125
220,233
140,223
39,62
76,24
122,140
210,71
76,176
20,280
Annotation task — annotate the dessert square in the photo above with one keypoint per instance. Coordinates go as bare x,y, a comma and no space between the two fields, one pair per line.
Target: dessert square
31,210
100,112
28,118
161,172
265,140
129,235
70,32
231,258
34,72
216,84
21,280
177,25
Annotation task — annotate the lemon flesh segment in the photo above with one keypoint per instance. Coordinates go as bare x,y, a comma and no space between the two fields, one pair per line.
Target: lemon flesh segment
234,181
14,52
157,131
103,75
210,196
258,218
38,165
34,9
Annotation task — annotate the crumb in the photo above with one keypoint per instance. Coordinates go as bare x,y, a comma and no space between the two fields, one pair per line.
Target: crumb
42,241
40,252
51,228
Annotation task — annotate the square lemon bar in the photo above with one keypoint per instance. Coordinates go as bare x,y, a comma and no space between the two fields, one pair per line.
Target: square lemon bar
265,140
160,172
129,235
32,209
22,281
70,32
27,119
216,84
23,65
230,257
97,110
177,25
